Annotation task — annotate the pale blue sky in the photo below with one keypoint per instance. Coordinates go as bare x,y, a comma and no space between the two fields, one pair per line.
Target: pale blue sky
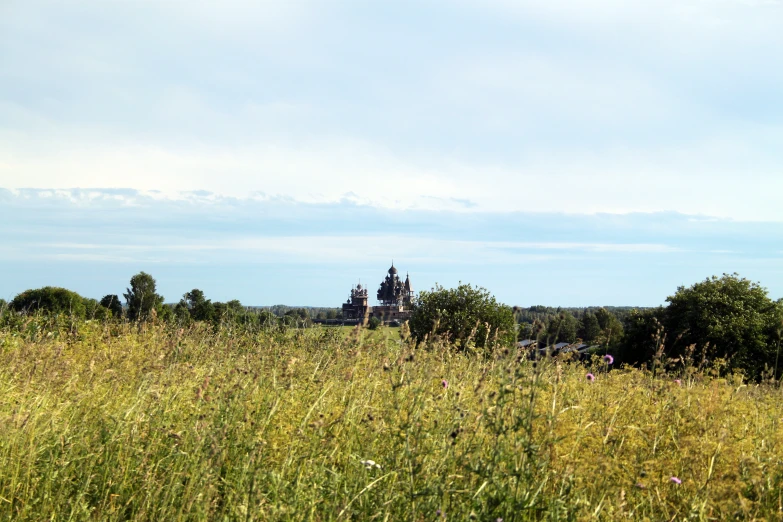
599,152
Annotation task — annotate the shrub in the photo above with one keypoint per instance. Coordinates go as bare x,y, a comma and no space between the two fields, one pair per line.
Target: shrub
50,300
466,314
374,323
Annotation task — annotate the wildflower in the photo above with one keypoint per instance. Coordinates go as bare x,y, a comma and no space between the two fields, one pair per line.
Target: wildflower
676,480
369,464
590,377
499,519
678,381
438,513
608,359
445,383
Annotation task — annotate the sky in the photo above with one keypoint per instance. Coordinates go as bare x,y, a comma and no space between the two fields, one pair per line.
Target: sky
600,152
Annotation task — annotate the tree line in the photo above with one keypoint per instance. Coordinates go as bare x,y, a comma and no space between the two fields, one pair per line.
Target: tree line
728,322
727,319
142,303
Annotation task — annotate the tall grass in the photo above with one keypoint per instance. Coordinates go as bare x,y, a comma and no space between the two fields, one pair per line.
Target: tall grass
113,423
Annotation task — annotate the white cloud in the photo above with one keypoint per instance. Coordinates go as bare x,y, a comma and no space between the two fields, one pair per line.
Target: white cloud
710,178
611,120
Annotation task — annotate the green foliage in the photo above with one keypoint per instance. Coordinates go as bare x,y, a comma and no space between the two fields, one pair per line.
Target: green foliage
267,319
643,336
199,307
50,300
297,317
589,328
373,323
465,314
95,311
561,329
724,317
732,316
141,298
113,304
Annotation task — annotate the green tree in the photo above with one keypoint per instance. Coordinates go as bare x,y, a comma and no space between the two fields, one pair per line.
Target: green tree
113,303
50,300
200,308
561,329
93,309
141,298
464,313
732,315
181,314
643,335
611,327
298,317
589,328
267,319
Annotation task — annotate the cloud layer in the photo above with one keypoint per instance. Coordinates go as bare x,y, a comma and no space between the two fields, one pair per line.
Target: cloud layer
595,107
267,251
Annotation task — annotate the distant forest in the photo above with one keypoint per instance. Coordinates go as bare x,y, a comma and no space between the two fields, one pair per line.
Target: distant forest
728,319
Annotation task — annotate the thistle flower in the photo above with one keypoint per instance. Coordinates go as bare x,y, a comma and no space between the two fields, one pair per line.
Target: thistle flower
608,359
676,480
445,383
678,381
590,377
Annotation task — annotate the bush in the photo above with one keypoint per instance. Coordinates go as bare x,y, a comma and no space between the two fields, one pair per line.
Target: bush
727,317
50,300
466,314
374,323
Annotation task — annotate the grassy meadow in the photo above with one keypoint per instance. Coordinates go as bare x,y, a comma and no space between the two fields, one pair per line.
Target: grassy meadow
117,422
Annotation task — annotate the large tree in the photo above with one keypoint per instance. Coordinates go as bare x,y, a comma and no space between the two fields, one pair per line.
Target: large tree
141,298
728,317
464,313
733,316
50,300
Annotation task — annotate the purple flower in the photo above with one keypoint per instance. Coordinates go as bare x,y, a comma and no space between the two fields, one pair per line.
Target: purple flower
445,383
678,381
590,377
676,480
608,359
438,513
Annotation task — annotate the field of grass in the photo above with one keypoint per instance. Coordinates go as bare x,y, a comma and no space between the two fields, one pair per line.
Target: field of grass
114,423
